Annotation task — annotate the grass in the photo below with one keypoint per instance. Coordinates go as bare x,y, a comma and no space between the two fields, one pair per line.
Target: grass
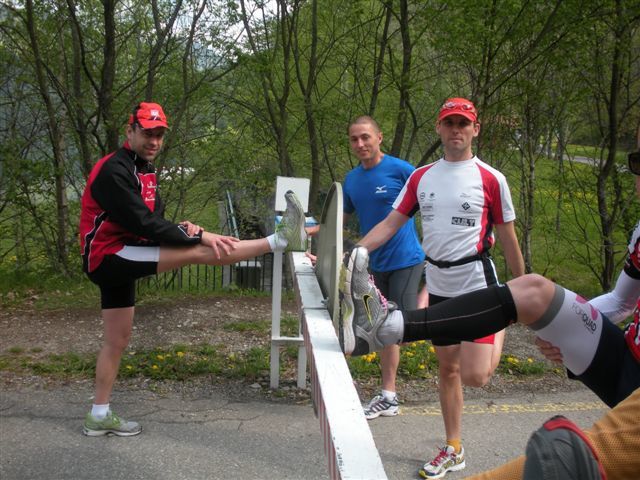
418,360
179,362
182,362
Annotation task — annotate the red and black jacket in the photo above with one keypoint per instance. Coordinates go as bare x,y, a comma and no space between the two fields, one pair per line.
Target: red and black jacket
121,206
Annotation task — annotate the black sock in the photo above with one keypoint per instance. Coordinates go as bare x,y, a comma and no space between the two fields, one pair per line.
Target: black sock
467,317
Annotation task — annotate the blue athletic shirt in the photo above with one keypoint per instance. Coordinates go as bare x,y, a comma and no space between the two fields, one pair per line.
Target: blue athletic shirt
371,193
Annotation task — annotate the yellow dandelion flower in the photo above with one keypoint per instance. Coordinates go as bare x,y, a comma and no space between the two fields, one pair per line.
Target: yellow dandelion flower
421,342
414,345
432,349
529,360
180,354
409,354
154,367
129,367
421,367
160,357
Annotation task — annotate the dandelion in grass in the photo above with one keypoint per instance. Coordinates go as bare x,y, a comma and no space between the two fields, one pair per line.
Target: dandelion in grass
160,357
409,354
432,349
414,345
421,367
129,367
154,367
180,354
529,360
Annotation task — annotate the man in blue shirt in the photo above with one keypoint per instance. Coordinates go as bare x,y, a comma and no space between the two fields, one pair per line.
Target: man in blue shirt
369,191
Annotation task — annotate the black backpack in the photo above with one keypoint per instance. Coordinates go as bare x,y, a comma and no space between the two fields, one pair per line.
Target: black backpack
559,450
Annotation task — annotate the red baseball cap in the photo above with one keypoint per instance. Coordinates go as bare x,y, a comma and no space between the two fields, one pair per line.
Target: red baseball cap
148,115
458,106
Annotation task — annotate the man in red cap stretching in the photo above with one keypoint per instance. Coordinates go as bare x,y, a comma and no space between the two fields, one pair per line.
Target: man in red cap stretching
461,201
124,236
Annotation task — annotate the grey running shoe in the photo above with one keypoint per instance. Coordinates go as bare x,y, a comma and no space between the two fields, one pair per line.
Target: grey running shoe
380,406
110,424
291,227
363,308
446,461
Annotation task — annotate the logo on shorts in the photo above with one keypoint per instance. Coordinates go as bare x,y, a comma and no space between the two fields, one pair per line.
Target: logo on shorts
589,321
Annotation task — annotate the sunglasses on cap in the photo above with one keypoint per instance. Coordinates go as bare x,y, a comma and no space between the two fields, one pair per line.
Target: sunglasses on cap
463,106
634,162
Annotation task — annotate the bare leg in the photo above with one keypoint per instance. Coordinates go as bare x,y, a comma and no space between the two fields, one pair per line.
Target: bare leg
478,361
532,295
117,332
423,298
450,389
389,361
176,257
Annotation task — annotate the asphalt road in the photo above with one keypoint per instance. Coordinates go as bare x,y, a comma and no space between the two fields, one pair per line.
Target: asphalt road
209,436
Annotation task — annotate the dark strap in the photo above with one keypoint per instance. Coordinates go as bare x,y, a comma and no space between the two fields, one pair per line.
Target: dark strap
460,261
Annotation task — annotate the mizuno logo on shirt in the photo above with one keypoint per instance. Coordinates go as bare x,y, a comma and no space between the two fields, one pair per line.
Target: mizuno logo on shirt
382,189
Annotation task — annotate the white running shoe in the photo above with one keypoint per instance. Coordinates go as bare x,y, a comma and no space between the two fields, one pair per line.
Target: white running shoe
379,406
446,461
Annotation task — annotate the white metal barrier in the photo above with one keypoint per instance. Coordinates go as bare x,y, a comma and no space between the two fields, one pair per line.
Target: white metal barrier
348,443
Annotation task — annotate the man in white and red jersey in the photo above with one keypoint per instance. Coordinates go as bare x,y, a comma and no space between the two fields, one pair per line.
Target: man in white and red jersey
124,236
462,202
581,334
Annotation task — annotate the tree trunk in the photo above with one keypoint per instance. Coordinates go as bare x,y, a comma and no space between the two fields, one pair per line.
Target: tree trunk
405,81
105,95
57,141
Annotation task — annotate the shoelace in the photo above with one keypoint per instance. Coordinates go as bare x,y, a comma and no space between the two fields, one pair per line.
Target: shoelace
383,300
439,459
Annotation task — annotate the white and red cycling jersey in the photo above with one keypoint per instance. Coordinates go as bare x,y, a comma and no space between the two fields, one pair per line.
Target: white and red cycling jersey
459,204
624,299
632,268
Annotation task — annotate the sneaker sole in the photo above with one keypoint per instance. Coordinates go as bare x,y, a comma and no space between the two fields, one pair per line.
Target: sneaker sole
455,468
101,433
348,342
384,413
302,233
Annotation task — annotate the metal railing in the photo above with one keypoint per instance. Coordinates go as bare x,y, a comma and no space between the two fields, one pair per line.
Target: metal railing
254,273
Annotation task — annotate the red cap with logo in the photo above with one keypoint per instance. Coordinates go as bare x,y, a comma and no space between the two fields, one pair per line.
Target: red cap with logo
148,115
458,106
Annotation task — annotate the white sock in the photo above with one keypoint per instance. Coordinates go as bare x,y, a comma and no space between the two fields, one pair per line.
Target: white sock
277,242
392,330
388,395
99,411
